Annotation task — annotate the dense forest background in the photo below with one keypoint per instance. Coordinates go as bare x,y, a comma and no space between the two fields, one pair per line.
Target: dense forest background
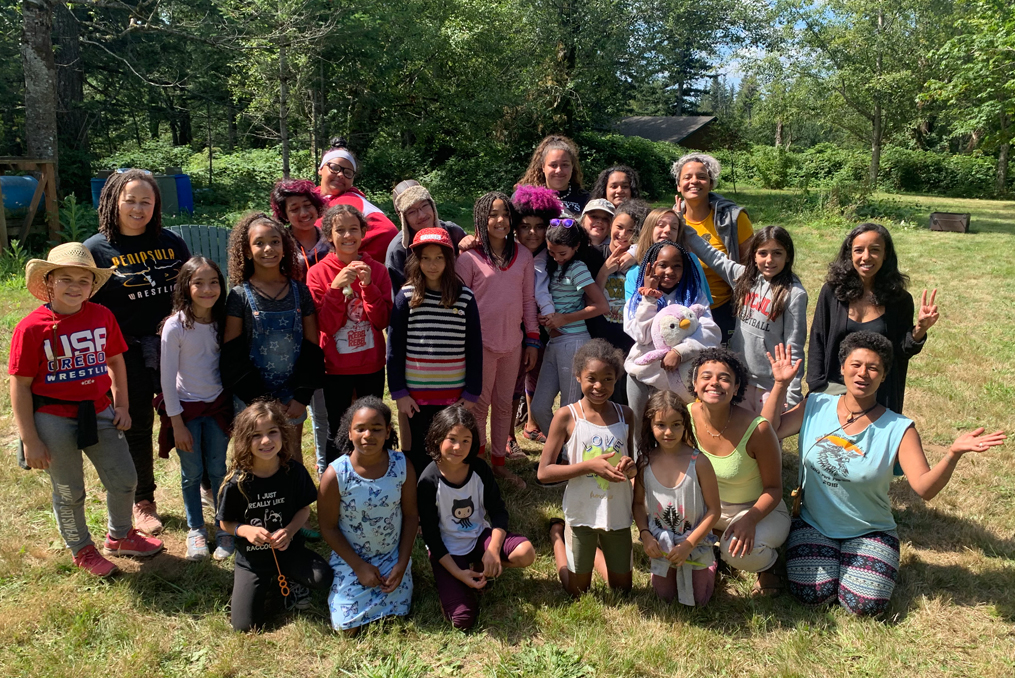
914,95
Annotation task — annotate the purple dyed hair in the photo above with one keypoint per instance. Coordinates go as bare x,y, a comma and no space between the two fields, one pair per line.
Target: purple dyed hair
538,201
291,188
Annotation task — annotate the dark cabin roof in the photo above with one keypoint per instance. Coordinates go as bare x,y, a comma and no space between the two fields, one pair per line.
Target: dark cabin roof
671,128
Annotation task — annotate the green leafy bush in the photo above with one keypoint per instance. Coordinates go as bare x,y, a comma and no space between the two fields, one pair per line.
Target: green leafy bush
772,166
155,155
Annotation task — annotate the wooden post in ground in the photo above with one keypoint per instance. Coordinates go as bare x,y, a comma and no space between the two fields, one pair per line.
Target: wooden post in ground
3,222
52,205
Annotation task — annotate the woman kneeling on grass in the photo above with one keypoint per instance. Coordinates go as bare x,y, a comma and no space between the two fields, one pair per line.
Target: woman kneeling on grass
843,543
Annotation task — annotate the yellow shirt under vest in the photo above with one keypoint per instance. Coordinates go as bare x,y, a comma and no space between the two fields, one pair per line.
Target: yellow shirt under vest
721,292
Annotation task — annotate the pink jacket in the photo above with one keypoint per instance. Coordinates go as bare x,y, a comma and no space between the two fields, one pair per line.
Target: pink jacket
505,297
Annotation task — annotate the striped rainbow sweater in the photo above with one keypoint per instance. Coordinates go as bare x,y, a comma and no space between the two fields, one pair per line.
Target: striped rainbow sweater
435,354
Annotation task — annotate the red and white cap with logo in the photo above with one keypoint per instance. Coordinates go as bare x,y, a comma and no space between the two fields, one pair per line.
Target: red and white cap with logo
432,236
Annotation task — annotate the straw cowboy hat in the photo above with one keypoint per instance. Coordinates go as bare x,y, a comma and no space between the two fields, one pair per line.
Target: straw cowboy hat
69,254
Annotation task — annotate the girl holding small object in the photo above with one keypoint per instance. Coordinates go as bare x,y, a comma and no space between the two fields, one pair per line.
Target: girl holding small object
596,463
463,517
666,277
747,460
269,348
676,503
576,298
353,295
843,545
501,276
264,502
659,225
65,357
769,302
197,406
435,342
368,515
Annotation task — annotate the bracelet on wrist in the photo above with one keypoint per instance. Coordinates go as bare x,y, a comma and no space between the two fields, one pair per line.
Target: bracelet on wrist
236,529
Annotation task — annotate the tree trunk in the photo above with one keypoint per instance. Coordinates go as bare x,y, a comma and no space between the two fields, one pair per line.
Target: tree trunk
283,113
231,126
778,133
876,135
40,78
71,118
1001,187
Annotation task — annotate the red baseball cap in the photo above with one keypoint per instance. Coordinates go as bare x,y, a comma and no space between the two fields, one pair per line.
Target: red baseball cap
432,236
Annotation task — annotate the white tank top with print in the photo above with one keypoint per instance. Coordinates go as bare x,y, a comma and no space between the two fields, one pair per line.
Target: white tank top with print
591,501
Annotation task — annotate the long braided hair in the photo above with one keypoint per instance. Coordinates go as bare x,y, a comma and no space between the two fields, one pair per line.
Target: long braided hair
688,290
109,204
481,216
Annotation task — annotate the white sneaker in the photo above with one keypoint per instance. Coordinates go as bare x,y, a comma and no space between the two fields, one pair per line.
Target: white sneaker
197,545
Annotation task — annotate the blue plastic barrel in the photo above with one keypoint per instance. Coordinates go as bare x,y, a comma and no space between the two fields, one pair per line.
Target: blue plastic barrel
97,184
184,193
18,191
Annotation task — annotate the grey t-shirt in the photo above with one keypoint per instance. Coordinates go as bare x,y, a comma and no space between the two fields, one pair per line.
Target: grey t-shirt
756,333
238,306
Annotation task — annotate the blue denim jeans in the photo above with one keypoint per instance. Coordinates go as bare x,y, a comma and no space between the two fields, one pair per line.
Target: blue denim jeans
111,459
209,455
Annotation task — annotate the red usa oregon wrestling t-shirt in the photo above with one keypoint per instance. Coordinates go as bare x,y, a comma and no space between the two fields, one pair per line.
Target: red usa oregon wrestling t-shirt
67,361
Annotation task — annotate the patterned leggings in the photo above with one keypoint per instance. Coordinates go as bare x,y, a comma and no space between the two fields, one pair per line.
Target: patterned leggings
860,572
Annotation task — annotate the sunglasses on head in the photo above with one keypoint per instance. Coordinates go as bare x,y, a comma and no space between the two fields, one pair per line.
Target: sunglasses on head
566,223
124,170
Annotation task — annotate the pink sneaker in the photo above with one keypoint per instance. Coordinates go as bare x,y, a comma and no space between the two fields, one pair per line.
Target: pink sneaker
89,560
134,544
146,519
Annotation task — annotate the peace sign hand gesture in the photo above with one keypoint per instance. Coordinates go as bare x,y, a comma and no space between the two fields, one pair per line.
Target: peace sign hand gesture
927,316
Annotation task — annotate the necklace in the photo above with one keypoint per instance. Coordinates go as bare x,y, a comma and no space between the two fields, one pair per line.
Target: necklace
854,416
719,434
264,293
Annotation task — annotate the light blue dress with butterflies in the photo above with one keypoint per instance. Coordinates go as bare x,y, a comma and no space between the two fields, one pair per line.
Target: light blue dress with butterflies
371,519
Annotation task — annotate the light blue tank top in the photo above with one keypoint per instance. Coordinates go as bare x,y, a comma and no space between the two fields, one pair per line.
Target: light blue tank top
846,477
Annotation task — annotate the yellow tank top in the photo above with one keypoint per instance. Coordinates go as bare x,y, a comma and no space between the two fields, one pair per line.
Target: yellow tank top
737,473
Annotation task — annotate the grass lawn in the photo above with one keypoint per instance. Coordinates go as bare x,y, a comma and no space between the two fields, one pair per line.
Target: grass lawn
952,613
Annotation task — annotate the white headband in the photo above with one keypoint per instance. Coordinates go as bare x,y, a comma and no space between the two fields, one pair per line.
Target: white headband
338,153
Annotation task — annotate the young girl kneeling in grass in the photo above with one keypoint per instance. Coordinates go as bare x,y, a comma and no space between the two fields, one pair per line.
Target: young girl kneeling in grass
65,357
367,512
676,503
464,518
263,503
597,466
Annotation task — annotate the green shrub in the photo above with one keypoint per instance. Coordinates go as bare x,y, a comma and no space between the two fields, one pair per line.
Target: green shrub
651,159
155,155
772,166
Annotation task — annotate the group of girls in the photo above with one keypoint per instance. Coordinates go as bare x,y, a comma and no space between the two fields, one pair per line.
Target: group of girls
555,295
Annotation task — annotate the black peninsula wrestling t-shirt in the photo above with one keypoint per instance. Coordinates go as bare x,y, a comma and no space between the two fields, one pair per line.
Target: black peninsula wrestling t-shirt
140,293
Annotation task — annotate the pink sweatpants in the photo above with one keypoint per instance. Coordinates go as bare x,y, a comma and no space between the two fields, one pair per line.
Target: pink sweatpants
500,371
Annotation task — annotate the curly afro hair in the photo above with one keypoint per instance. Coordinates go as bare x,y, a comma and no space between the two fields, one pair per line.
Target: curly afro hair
529,200
727,358
293,188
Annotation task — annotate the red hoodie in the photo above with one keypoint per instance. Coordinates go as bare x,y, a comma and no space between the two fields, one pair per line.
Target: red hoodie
351,328
380,230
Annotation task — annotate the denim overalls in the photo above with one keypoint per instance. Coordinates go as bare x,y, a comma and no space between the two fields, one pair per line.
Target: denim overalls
275,343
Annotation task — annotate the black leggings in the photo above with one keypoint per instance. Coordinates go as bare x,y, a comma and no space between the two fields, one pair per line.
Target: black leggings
419,424
339,390
142,385
251,587
726,320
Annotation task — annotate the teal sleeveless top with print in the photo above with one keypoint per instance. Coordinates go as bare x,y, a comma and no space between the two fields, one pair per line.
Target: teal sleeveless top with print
846,477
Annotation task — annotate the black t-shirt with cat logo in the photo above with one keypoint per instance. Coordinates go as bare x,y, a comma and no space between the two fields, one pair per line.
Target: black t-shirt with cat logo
454,516
270,503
